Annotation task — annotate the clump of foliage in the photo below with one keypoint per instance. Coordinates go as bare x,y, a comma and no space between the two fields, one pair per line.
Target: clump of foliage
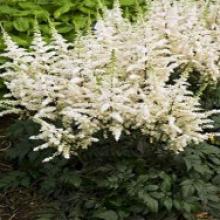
69,16
154,74
128,180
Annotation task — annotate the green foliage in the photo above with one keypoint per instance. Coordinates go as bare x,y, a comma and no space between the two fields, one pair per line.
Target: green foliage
116,181
17,17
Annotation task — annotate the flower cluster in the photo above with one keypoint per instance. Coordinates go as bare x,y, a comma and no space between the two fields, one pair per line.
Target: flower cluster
117,78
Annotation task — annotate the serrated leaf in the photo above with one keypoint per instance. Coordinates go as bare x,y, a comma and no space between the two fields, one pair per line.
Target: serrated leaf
107,215
166,184
32,9
187,207
127,2
201,168
168,203
216,180
157,195
28,5
215,160
187,190
20,40
79,21
86,10
71,179
62,10
177,204
90,3
21,24
188,164
151,203
151,187
65,29
4,9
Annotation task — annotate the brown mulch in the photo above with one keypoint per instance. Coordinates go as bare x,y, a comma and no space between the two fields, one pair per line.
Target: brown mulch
19,204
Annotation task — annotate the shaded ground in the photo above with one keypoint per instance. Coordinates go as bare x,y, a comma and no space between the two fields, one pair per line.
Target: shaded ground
18,203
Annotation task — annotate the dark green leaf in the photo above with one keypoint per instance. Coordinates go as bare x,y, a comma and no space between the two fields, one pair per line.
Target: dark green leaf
168,203
187,190
151,203
107,215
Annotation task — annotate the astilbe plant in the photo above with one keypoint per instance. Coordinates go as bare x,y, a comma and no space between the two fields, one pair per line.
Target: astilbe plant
119,78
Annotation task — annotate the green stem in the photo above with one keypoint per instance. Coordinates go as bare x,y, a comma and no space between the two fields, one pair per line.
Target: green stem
202,88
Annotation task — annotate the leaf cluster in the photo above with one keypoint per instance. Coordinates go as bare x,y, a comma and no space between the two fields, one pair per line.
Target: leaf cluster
69,16
115,181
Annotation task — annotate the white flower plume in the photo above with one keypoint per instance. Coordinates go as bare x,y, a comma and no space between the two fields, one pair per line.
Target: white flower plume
117,78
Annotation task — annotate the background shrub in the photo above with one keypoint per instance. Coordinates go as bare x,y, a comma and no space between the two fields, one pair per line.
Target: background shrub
69,16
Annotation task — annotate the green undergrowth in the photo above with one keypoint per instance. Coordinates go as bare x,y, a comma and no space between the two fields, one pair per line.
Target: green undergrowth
114,181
